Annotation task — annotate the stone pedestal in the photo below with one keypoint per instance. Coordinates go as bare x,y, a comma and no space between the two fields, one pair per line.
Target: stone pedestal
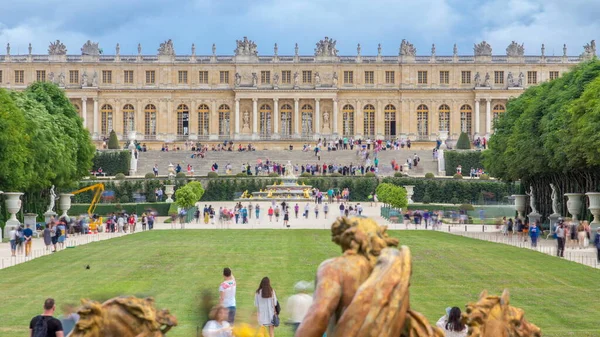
520,206
30,219
405,168
49,215
534,217
133,163
409,193
441,161
169,189
553,220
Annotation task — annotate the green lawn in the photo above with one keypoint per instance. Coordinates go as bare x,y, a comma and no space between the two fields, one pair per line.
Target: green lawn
176,266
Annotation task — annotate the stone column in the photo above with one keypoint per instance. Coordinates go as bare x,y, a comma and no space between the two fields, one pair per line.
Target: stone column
359,118
296,118
118,120
379,121
254,118
275,116
237,118
140,120
96,125
170,112
213,121
84,111
317,118
488,118
476,117
335,117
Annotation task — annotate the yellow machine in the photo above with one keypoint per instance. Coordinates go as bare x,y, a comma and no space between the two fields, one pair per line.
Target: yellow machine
98,189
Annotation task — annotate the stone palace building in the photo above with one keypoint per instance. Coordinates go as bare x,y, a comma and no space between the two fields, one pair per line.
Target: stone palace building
170,97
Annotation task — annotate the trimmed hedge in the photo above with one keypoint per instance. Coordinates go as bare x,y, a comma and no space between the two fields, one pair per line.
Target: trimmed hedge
113,141
466,159
112,162
162,208
463,142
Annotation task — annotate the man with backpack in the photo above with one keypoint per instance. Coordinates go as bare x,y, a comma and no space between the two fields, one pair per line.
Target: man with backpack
45,325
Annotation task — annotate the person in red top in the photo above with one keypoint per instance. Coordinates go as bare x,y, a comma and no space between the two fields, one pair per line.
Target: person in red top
131,222
270,213
324,169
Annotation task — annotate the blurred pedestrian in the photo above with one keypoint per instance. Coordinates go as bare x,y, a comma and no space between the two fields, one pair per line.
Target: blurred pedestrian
297,305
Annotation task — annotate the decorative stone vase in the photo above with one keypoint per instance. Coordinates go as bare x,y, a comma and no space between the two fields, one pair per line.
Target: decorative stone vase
13,205
594,198
131,136
443,138
64,202
169,189
409,193
574,204
520,204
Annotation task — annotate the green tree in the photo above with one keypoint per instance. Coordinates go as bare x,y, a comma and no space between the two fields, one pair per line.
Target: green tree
113,141
185,197
15,152
463,142
197,188
392,195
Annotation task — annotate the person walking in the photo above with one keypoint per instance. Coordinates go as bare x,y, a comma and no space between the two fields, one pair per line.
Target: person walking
306,210
296,210
342,208
534,233
286,218
265,301
12,236
270,213
227,291
27,236
581,235
61,232
325,210
597,243
298,304
277,211
257,213
451,323
560,239
316,211
46,322
218,326
47,235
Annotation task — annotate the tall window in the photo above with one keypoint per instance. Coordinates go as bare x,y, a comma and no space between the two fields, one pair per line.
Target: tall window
286,121
150,122
348,77
182,76
390,77
224,120
499,77
390,121
203,121
150,76
307,120
422,77
224,77
306,76
444,117
107,119
265,120
369,77
128,119
265,77
286,76
20,76
40,75
532,77
553,75
422,121
348,119
444,77
465,77
203,77
0,76
128,76
73,76
107,76
466,119
498,109
183,121
369,121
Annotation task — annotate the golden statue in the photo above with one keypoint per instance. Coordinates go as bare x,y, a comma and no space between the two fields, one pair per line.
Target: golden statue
306,193
245,195
492,316
270,195
303,184
122,317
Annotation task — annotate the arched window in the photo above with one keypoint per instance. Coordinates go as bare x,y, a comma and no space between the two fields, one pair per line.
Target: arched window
348,120
307,120
183,121
224,120
128,119
203,121
444,117
286,121
497,110
265,119
422,121
369,121
150,122
107,119
466,119
390,121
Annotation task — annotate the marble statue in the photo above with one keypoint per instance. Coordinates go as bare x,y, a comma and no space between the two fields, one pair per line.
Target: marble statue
238,79
57,48
245,47
326,118
275,49
139,49
486,81
61,79
276,79
482,49
296,78
95,79
521,77
118,49
433,49
565,50
193,49
214,49
543,50
29,48
379,49
589,50
477,79
51,77
52,200
84,79
532,200
358,50
407,48
515,50
8,49
335,78
317,79
90,48
326,47
246,120
510,80
455,50
296,50
289,169
254,80
554,198
166,48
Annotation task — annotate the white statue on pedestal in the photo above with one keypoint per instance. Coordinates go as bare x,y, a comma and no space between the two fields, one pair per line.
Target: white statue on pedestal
289,169
532,200
554,199
52,200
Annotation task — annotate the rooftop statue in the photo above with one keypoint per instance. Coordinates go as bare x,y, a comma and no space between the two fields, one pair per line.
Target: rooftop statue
326,47
589,50
166,48
57,48
407,48
483,49
515,50
245,47
90,48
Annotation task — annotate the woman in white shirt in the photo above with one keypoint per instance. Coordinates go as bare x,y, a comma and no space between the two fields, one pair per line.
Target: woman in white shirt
451,323
218,325
265,301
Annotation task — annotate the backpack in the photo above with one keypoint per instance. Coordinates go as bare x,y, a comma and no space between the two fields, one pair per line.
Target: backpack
41,327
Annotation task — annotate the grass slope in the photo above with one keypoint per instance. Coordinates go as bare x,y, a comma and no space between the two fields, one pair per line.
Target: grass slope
176,266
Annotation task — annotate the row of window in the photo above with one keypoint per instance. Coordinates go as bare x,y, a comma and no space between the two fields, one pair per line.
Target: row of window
307,115
286,77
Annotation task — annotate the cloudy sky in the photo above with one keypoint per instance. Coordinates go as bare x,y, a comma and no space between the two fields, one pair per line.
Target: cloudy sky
368,22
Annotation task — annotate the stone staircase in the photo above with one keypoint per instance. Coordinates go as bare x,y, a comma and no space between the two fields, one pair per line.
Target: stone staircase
344,157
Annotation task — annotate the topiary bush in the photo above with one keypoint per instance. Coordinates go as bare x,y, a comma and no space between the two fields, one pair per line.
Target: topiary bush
399,175
113,141
180,175
426,199
429,175
149,176
306,175
242,174
124,199
370,174
212,174
457,176
484,177
119,176
463,143
466,207
337,174
273,174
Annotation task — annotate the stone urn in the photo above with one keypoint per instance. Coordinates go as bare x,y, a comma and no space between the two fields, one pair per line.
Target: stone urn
409,193
64,202
594,198
13,205
169,190
443,138
131,137
520,204
574,203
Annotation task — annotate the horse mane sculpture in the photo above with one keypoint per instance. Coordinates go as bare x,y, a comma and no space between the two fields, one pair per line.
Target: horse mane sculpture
492,316
122,317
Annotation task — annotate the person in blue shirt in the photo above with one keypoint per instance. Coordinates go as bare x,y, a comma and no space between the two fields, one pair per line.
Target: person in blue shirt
28,235
534,233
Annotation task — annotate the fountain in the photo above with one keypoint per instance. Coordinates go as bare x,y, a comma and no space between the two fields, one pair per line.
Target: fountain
288,189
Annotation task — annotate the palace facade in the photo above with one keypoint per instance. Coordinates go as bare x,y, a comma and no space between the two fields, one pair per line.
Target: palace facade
171,97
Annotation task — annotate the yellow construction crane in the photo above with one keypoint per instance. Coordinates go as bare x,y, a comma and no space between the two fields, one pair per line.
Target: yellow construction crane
98,189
